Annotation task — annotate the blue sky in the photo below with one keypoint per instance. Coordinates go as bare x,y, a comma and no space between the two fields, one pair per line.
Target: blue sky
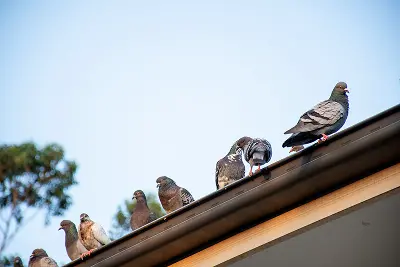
138,89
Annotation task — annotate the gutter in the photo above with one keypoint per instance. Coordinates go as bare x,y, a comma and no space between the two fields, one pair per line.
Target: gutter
347,156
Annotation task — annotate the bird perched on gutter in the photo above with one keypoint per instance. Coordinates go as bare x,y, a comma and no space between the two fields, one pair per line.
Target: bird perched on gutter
230,168
172,196
141,215
18,262
73,245
91,234
324,119
39,258
257,151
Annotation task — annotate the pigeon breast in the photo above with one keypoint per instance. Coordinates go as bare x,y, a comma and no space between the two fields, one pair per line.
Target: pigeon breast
229,169
173,197
141,216
92,235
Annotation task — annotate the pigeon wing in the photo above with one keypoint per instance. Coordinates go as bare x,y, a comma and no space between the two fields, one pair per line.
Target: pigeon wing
152,216
186,197
266,148
325,113
217,170
99,234
47,262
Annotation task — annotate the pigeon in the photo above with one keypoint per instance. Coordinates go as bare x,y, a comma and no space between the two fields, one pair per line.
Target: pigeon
230,168
172,196
324,119
72,243
39,258
141,215
91,234
257,151
18,262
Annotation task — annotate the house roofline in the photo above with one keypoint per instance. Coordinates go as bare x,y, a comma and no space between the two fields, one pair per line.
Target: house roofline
347,156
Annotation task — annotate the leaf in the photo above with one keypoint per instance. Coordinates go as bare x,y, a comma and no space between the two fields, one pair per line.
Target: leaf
34,178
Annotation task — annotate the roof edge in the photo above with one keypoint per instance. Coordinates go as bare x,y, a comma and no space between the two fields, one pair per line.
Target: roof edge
363,148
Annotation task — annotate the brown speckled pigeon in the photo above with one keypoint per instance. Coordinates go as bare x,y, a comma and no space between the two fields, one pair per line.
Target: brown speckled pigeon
18,262
257,151
230,168
39,258
73,245
324,119
141,215
91,234
172,196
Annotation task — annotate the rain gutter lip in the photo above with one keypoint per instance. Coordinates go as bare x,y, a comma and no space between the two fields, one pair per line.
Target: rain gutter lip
274,185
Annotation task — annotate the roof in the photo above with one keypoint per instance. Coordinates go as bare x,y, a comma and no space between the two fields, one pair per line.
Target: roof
347,156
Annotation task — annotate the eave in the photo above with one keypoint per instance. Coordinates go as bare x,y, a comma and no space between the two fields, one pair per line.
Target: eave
350,155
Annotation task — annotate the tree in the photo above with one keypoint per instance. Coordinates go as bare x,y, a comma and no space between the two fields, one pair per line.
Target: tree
32,180
121,220
7,261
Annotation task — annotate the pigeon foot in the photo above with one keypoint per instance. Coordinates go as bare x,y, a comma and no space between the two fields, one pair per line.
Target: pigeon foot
258,169
251,167
296,149
86,254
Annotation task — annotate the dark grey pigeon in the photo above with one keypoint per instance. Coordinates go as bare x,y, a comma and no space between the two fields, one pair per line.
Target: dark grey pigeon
172,196
230,168
91,234
73,245
18,262
324,119
257,151
141,215
39,258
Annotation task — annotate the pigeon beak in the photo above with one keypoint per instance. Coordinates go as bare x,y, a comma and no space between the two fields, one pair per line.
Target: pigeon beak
60,228
158,185
133,197
347,90
31,256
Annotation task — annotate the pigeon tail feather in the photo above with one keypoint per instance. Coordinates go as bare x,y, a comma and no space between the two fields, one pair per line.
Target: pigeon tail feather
291,130
258,158
299,139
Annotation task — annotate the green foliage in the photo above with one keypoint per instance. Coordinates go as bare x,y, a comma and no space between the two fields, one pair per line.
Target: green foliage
32,179
121,220
7,260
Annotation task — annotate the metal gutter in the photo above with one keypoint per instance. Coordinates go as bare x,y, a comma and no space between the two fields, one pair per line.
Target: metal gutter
350,155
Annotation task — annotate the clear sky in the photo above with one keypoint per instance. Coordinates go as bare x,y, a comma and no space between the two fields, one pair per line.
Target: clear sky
138,89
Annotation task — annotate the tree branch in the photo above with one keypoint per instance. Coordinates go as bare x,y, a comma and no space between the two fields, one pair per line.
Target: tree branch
4,243
2,230
30,180
2,219
1,215
8,237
